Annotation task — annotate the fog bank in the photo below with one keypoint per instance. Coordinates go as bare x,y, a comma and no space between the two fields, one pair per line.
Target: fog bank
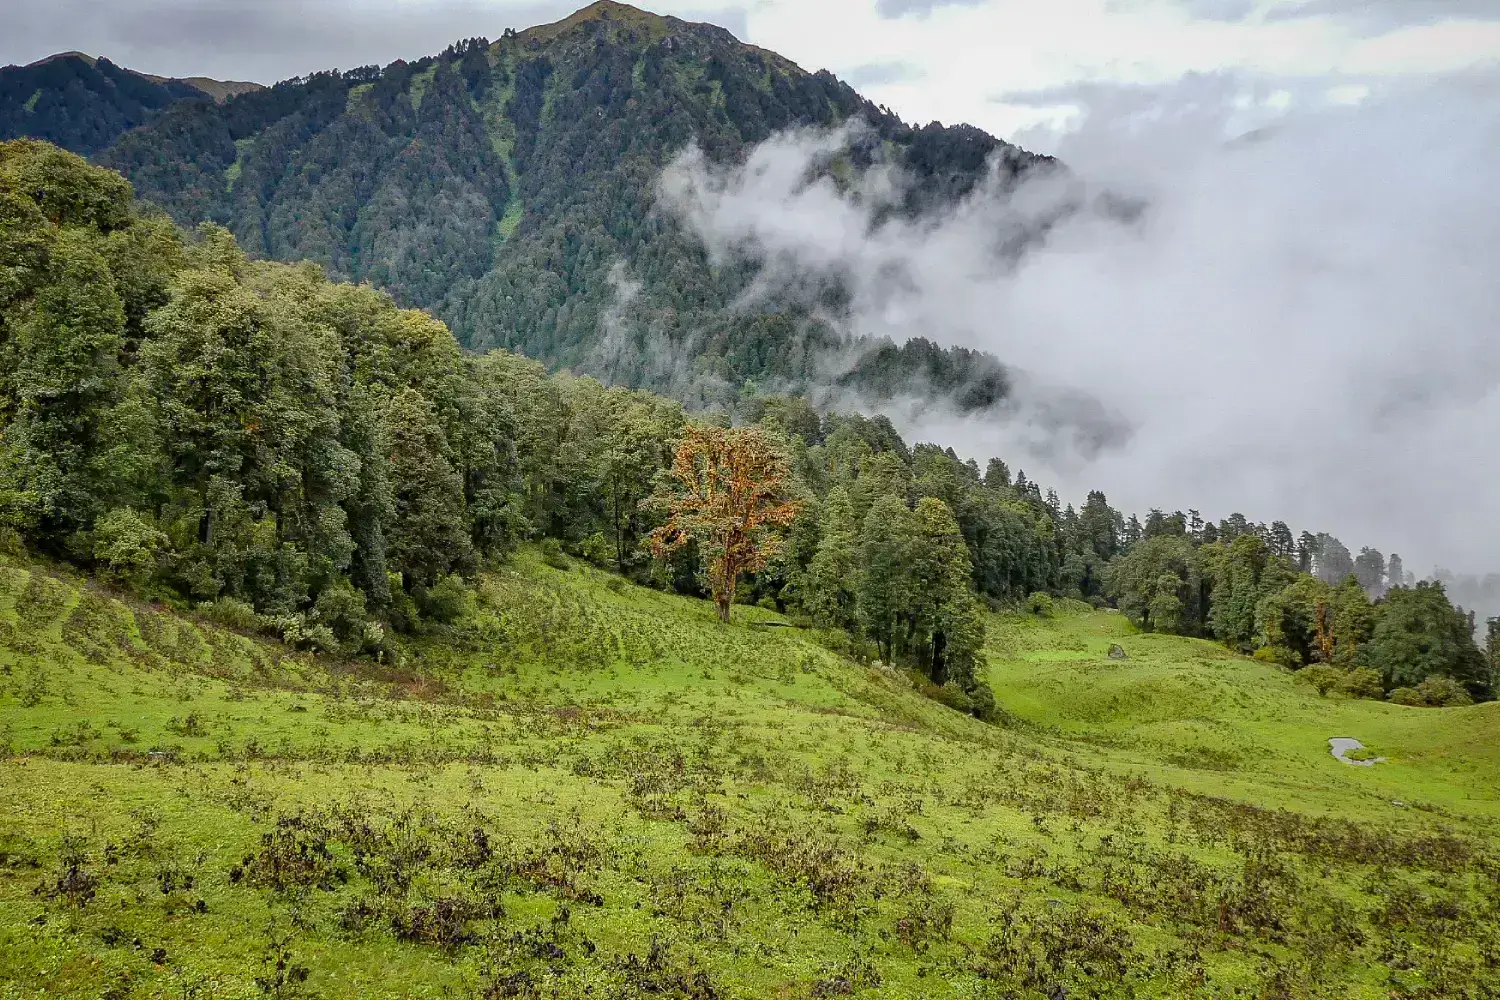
1301,325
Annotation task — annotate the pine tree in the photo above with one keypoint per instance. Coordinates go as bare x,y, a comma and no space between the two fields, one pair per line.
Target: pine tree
1369,570
884,558
833,576
1395,571
996,474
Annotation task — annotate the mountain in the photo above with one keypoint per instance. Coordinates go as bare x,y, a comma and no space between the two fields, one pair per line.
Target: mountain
509,188
84,104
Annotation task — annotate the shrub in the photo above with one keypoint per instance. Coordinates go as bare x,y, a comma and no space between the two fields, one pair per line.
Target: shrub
1279,655
952,695
342,609
445,601
232,613
982,701
1405,696
297,631
128,545
1362,682
1442,692
597,550
1322,677
552,553
843,643
1267,654
1436,691
1040,605
372,641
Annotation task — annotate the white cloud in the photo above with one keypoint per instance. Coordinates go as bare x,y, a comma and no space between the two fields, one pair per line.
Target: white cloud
1302,326
971,54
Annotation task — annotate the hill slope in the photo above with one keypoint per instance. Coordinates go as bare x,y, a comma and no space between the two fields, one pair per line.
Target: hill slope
587,787
509,187
84,104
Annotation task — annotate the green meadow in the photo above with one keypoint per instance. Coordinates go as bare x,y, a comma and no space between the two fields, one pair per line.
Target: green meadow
586,788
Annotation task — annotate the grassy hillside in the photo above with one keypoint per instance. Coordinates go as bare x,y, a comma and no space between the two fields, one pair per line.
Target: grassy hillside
587,788
1192,714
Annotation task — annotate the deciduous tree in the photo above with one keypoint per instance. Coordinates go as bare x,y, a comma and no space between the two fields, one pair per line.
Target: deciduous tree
726,491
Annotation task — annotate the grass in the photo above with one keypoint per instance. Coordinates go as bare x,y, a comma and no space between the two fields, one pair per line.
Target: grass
1191,713
508,223
419,84
589,788
233,171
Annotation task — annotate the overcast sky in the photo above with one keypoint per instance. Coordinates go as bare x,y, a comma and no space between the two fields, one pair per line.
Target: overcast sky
950,60
1303,327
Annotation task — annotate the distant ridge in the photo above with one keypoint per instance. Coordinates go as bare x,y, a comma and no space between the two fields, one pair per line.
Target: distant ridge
84,103
74,54
219,90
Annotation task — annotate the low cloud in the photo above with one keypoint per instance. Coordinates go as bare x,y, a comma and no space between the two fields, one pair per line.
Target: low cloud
883,73
736,20
1373,16
1300,325
919,8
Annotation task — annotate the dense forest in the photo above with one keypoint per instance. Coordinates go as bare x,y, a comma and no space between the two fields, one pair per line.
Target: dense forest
509,188
297,455
85,104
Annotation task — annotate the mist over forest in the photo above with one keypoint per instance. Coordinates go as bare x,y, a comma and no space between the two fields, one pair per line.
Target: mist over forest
1270,300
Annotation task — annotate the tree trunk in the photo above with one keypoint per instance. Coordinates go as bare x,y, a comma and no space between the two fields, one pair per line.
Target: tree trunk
939,673
724,597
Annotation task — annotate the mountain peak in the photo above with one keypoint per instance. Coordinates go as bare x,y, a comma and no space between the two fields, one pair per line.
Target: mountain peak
612,10
614,18
603,11
59,56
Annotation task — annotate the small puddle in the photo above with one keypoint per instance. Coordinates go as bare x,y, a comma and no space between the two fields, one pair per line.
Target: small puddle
1340,747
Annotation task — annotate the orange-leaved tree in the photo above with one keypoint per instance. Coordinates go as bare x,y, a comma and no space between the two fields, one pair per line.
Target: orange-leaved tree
726,491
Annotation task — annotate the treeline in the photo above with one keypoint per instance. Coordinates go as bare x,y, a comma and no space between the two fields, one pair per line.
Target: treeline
291,453
1296,606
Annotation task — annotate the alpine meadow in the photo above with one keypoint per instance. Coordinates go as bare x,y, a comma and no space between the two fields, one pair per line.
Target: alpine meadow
427,570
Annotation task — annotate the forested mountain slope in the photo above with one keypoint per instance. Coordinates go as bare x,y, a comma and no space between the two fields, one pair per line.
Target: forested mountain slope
84,104
509,188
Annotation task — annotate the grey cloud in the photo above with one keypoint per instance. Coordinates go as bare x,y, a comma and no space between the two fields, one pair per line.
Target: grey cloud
267,40
736,20
919,8
1300,327
1368,16
1377,17
1227,103
878,74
